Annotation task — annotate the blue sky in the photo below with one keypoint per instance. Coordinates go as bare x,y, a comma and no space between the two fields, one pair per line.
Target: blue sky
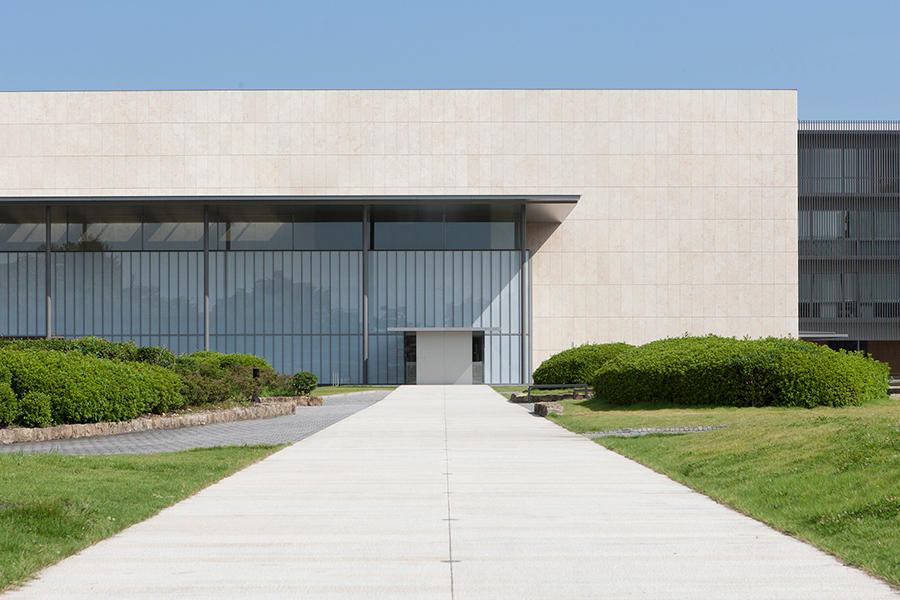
841,56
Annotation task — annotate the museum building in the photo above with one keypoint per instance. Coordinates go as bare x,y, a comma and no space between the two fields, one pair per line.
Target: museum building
423,236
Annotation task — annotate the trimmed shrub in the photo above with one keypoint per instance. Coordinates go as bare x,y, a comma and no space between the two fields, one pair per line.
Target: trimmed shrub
5,375
86,389
304,382
245,360
99,348
155,355
89,346
35,410
9,405
185,364
724,371
215,363
577,365
225,377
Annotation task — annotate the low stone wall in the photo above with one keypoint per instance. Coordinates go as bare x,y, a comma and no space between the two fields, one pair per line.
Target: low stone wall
267,408
524,398
295,400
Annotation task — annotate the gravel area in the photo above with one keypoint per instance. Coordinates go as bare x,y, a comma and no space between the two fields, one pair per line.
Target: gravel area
648,430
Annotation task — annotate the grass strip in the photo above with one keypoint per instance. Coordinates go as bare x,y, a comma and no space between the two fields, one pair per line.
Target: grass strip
332,390
828,476
52,506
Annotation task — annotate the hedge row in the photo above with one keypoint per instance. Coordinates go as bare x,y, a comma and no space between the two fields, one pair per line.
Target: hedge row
724,371
576,365
216,363
82,388
99,348
45,382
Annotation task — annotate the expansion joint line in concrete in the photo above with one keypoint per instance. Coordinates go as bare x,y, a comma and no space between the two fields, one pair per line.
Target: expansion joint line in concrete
449,510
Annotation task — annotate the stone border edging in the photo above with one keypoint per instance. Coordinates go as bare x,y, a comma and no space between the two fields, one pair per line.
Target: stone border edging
269,408
524,398
634,432
542,409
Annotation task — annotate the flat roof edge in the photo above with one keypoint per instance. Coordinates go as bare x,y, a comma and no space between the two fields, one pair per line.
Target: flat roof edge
371,199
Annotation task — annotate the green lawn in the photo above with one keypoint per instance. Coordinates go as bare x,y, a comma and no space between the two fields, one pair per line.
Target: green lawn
52,506
830,476
507,389
330,390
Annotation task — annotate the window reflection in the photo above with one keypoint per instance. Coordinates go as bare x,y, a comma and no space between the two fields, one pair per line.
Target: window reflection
254,236
104,237
407,236
480,236
328,228
173,236
450,227
407,227
22,237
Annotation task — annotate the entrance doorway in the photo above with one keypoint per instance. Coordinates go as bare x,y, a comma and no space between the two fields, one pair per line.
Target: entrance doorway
443,357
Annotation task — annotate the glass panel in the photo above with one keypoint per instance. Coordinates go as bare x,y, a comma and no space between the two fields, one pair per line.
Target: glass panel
409,358
21,237
255,236
480,227
22,293
478,357
407,236
407,227
173,236
103,237
328,236
480,236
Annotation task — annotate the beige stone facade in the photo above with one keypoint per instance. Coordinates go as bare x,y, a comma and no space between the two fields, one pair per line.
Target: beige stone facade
686,220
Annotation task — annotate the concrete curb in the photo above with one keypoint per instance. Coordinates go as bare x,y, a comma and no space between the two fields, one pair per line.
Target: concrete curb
269,408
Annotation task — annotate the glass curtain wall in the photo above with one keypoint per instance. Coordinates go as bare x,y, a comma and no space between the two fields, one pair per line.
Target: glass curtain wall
23,238
128,272
415,289
286,281
301,310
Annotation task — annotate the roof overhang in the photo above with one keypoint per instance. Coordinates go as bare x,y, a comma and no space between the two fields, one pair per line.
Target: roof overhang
540,208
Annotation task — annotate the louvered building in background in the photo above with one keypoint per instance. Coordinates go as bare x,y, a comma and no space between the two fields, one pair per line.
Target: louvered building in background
849,236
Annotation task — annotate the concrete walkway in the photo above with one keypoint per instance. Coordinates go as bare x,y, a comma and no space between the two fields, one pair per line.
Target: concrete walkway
450,492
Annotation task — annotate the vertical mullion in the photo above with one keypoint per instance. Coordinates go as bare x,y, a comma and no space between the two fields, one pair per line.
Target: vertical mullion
47,274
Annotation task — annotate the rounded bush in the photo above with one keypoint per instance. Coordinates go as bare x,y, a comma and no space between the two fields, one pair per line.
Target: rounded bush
155,355
89,346
185,364
577,365
86,389
35,410
304,382
724,371
216,363
245,360
9,405
102,348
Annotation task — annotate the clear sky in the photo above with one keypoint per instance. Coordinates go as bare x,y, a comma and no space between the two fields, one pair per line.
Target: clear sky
842,56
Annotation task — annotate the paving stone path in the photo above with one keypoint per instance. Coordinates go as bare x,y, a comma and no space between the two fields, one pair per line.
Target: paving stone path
280,430
634,432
